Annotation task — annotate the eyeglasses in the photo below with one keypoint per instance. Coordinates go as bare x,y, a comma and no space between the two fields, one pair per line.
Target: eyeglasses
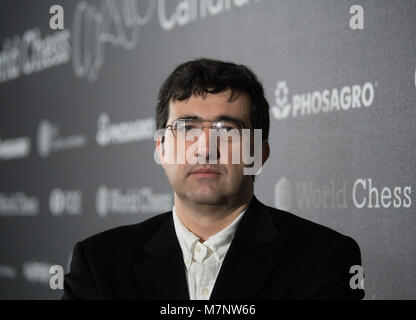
224,128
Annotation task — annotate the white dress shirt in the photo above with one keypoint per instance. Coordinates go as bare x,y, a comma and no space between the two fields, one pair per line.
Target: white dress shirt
203,260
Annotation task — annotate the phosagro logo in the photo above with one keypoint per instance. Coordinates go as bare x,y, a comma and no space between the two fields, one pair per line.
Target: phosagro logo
327,100
123,132
49,139
14,148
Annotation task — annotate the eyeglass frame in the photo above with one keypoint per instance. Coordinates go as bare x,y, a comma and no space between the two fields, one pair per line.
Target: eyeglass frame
170,126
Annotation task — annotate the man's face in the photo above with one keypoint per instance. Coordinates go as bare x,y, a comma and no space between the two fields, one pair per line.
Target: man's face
229,180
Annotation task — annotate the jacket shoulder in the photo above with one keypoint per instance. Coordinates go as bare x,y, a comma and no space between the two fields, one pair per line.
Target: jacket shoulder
321,257
296,227
125,237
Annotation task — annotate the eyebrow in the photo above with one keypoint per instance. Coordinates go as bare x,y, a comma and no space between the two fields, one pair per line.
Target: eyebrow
220,117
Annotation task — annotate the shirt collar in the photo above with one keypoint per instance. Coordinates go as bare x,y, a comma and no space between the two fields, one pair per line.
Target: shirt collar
186,238
218,242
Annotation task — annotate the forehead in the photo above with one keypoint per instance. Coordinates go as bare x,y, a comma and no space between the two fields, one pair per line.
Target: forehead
212,106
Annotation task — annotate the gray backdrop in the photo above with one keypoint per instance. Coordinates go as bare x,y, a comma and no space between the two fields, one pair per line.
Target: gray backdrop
77,119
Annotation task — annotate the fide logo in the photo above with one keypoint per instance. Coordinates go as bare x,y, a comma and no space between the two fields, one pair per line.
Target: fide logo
67,202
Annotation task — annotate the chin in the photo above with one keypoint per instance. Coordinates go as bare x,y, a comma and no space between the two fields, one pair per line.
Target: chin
207,198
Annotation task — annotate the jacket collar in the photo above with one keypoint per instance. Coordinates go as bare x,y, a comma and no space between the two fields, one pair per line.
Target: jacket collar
249,260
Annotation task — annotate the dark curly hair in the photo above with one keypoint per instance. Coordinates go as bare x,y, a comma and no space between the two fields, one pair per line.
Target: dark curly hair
202,76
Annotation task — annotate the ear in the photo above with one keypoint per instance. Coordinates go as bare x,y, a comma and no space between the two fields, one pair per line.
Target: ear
160,149
265,151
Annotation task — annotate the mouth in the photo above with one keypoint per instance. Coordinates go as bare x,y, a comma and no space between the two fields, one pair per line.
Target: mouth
205,173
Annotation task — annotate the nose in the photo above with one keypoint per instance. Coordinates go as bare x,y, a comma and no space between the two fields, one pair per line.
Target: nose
207,148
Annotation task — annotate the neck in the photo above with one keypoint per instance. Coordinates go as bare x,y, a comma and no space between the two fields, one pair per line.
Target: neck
207,220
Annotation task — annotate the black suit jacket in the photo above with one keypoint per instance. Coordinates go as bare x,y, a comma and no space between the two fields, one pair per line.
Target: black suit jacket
274,255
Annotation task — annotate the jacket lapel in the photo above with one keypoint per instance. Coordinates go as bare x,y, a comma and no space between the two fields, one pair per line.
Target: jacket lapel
161,270
252,256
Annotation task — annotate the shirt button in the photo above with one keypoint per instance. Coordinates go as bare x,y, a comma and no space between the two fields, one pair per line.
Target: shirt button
188,261
198,249
205,291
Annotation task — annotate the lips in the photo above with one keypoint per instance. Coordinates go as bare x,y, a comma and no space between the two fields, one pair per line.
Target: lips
205,172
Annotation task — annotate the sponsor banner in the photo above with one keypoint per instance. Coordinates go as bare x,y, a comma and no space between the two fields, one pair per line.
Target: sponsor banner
7,272
37,272
349,97
18,204
361,193
113,22
65,202
132,201
124,132
14,148
49,139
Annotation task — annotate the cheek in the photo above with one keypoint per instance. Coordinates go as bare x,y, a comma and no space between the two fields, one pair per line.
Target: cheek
171,152
173,173
230,153
235,151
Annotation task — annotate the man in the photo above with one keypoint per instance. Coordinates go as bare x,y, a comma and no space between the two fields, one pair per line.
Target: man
219,241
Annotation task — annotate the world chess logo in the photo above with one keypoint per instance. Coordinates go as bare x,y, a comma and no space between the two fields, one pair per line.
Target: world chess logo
102,201
282,194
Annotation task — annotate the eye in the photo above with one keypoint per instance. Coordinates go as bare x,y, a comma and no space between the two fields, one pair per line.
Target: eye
185,125
189,127
227,126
